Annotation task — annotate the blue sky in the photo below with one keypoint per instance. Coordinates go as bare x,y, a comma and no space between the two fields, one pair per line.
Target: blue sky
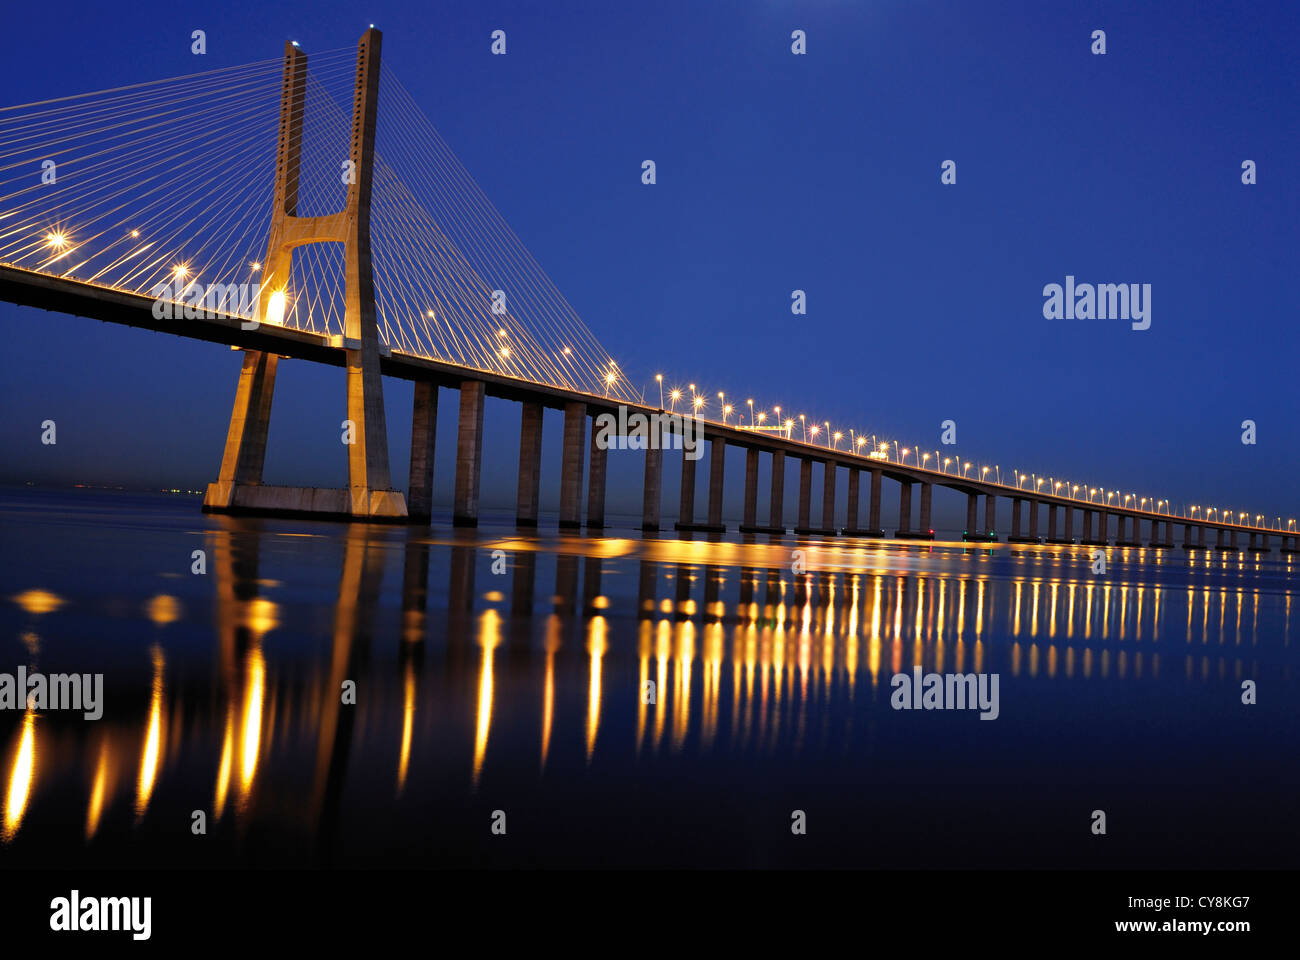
779,172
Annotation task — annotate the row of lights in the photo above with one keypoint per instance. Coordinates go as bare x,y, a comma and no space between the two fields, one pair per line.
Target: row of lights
881,452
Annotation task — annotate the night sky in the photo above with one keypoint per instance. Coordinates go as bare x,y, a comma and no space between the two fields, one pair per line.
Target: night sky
779,172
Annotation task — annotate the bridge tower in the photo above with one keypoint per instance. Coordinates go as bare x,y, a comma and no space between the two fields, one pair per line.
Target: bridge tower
239,487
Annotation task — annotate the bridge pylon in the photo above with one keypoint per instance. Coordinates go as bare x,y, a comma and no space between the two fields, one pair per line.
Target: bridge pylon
239,487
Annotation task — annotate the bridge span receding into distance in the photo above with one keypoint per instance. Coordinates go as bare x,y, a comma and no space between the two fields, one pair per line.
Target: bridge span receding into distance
1068,520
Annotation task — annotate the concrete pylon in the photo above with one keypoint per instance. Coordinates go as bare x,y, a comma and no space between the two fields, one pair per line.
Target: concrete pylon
369,495
424,431
571,464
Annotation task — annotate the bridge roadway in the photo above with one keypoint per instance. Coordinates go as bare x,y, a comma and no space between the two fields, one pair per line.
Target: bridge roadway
110,305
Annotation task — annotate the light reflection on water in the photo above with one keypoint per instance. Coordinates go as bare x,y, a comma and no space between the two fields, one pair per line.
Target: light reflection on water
333,693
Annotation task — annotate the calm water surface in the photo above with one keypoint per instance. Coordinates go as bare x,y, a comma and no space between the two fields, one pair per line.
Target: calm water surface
498,671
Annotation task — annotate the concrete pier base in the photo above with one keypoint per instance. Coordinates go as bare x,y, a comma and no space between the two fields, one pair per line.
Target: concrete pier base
717,466
424,430
904,509
571,464
652,499
596,484
469,455
530,465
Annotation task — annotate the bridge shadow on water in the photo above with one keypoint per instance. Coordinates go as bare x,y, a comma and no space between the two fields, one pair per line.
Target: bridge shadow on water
372,695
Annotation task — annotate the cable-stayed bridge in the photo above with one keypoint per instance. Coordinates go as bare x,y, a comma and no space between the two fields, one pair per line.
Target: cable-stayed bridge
338,227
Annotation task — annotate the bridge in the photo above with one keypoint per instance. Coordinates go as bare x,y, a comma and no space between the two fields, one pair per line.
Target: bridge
107,212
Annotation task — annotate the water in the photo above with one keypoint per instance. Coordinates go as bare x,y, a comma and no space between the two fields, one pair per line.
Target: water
514,681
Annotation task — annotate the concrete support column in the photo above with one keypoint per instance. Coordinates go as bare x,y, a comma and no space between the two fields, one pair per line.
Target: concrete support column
1069,522
571,462
1103,525
424,430
751,487
855,490
1233,540
1189,534
1120,521
828,497
469,454
1169,533
972,513
904,508
530,465
653,498
1200,536
686,507
1016,503
873,505
990,514
1223,538
776,515
805,494
927,497
1033,519
717,463
1051,522
596,484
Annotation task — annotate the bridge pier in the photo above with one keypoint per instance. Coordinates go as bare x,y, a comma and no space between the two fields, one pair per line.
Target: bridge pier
1069,524
1259,546
686,500
750,521
717,466
1189,535
1017,532
1124,539
1051,523
776,506
530,465
828,499
571,457
855,495
424,430
873,506
469,454
990,517
1033,519
927,498
1289,544
904,509
595,483
972,516
805,498
651,502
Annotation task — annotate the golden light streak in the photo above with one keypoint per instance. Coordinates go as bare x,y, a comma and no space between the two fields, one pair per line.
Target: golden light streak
596,646
408,723
20,778
152,740
251,726
96,807
489,638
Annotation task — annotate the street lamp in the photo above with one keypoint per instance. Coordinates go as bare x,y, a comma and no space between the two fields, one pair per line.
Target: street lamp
659,378
674,396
